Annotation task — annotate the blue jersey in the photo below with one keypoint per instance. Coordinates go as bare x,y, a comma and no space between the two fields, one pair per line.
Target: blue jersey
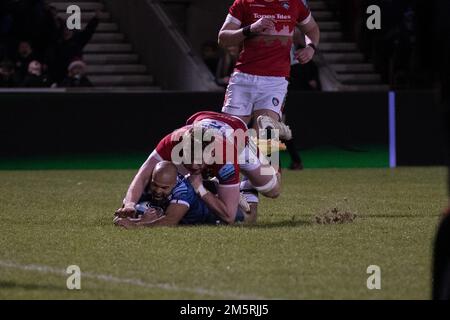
183,193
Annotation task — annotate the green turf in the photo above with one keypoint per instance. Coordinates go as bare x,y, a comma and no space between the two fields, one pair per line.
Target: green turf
60,218
372,156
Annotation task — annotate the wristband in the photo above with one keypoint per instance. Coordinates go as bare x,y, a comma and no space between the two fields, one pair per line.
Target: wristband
201,191
312,45
247,32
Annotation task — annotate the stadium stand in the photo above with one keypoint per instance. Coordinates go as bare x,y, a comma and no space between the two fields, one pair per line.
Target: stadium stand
342,57
350,58
110,58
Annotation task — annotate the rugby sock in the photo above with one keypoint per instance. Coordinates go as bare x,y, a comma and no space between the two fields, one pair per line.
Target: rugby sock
239,216
246,185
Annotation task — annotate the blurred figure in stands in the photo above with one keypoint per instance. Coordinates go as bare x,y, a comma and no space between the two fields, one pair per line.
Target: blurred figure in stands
76,76
24,56
71,46
53,28
8,77
210,55
6,22
226,65
36,77
303,76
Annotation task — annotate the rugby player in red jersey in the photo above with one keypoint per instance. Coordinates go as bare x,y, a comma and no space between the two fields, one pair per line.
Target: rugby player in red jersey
229,133
258,87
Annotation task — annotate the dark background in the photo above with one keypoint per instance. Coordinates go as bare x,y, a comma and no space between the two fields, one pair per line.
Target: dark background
65,123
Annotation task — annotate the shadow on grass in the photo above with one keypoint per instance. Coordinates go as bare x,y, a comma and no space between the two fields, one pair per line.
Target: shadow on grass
29,286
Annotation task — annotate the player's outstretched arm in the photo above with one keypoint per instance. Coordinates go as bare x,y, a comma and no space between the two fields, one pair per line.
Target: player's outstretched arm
140,181
172,217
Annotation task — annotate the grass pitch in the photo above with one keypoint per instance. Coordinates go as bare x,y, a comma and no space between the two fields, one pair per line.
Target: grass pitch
53,219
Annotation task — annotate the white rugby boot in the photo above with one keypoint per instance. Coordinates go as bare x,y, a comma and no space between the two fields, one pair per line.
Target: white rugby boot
265,122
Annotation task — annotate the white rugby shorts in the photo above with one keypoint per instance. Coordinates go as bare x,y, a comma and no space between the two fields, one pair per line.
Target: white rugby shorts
247,93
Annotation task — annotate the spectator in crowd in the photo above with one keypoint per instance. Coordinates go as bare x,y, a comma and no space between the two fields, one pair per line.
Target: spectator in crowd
52,30
54,46
8,77
210,55
24,56
76,75
303,77
226,65
5,33
404,42
70,48
36,78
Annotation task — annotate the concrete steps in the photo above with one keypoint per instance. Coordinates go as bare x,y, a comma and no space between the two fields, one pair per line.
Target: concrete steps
367,87
108,48
126,88
105,27
338,47
353,68
111,58
331,36
116,69
317,5
107,38
327,25
86,16
343,57
323,15
362,78
111,61
62,5
121,80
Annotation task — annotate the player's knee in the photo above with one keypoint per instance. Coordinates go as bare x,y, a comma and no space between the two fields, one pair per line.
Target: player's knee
273,194
272,188
230,220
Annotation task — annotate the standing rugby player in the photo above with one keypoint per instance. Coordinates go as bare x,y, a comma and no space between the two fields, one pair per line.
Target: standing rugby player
258,87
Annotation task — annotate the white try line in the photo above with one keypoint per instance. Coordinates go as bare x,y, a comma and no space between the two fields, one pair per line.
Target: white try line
133,282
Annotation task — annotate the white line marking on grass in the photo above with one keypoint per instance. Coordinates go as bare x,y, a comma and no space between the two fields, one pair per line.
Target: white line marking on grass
129,281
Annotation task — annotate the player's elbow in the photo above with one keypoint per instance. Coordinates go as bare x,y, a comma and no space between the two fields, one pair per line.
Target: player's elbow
221,39
225,39
229,217
230,220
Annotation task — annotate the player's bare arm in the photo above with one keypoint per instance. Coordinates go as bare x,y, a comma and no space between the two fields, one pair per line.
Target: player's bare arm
172,217
312,31
232,34
225,204
137,186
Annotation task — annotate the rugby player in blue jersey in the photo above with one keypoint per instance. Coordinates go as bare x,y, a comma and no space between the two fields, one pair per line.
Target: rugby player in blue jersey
170,200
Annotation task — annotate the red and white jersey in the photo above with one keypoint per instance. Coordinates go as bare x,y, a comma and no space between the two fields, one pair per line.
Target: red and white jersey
217,120
268,54
226,172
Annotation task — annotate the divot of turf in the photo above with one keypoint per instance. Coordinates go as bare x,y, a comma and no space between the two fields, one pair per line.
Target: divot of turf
335,216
